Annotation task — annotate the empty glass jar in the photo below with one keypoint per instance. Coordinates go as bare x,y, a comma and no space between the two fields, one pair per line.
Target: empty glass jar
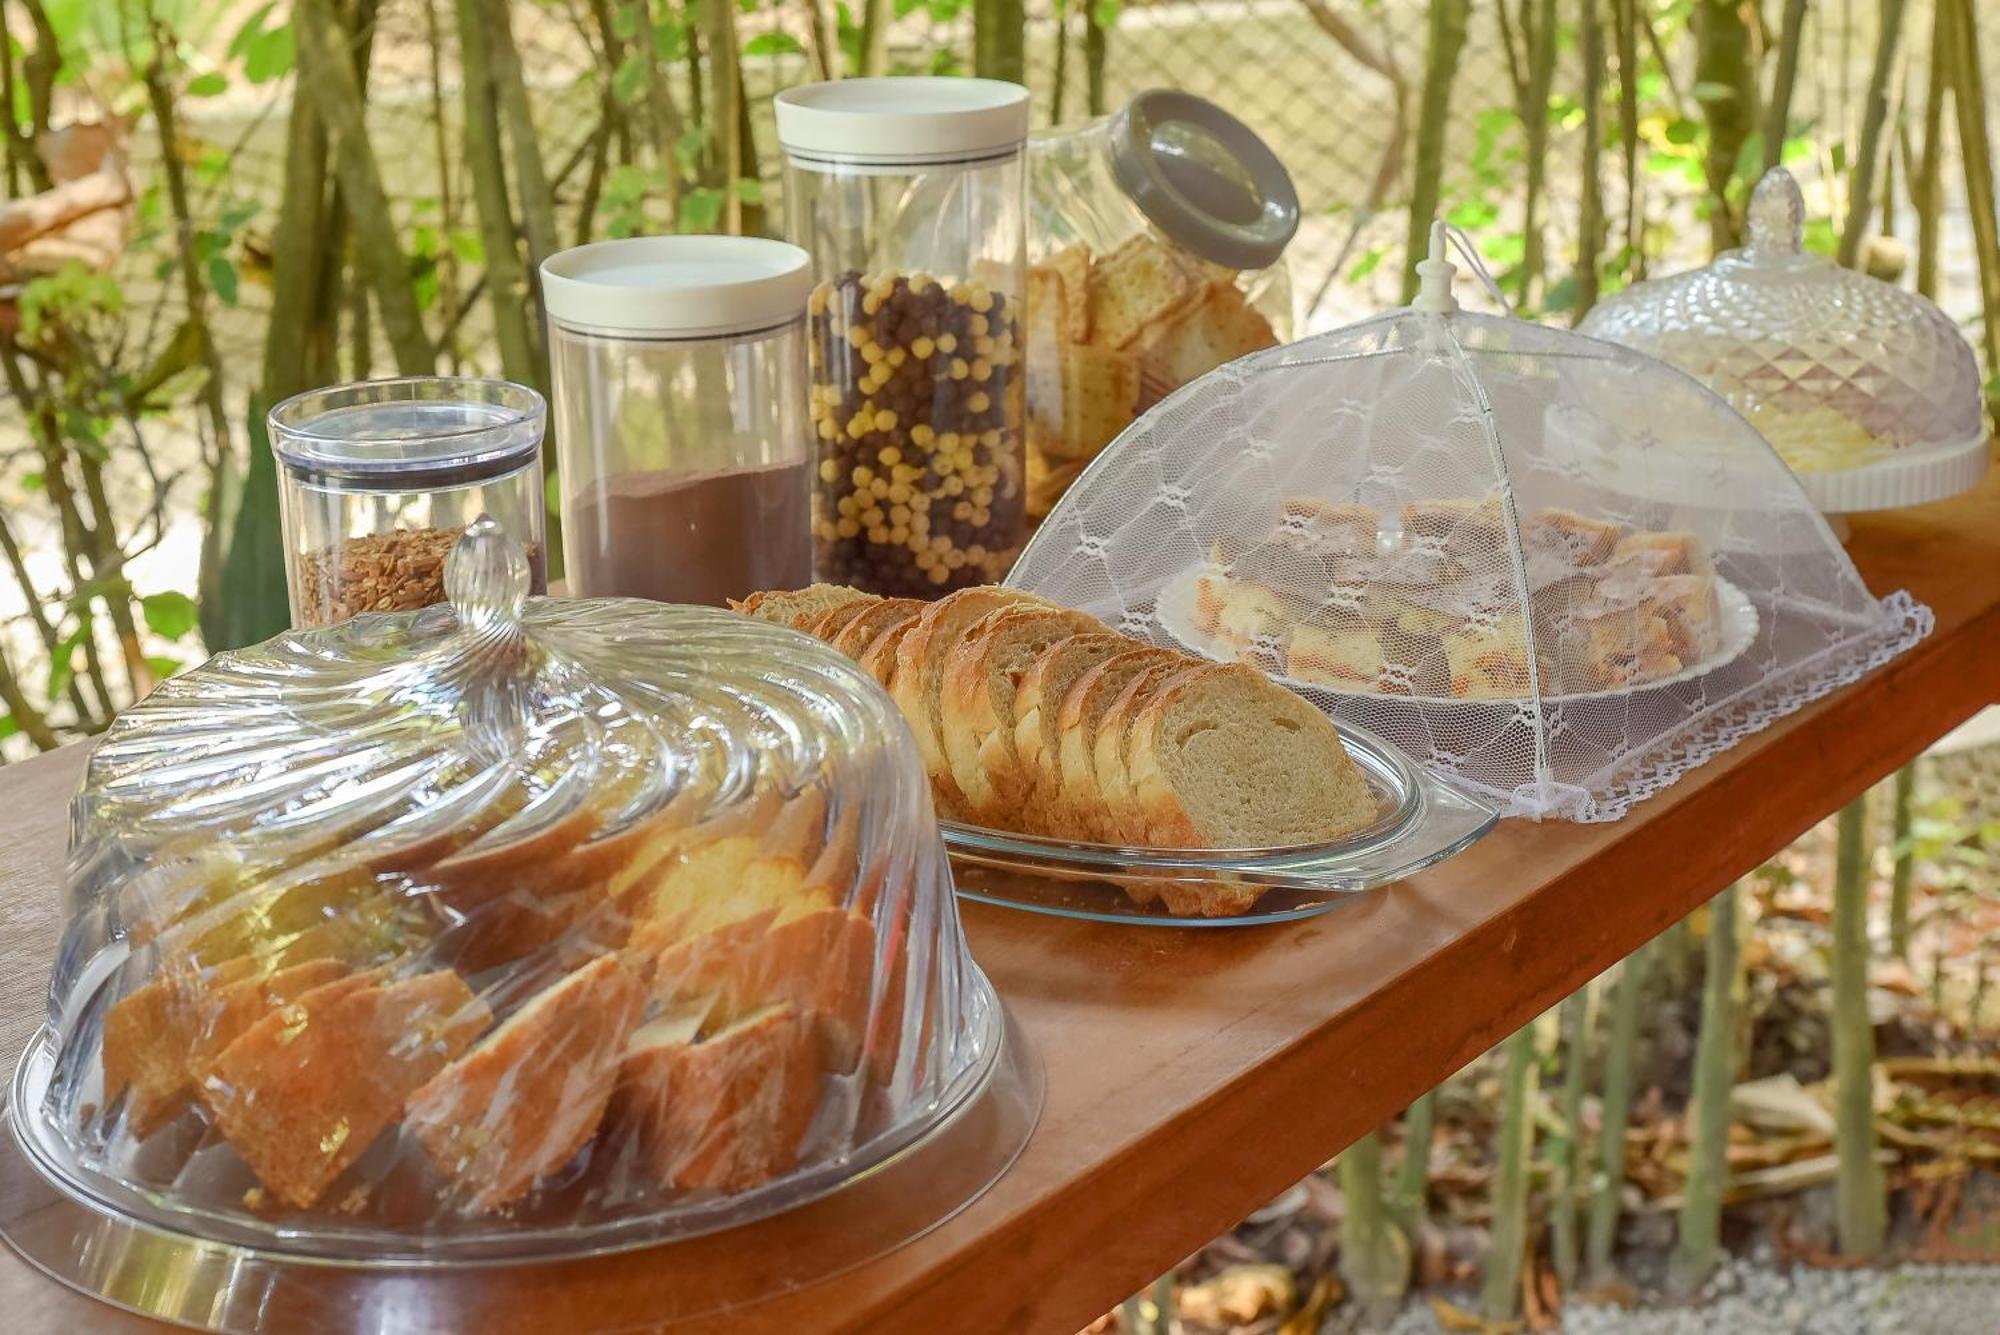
378,479
909,195
679,379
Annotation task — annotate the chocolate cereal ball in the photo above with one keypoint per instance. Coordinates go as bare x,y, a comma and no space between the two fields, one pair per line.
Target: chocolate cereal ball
916,399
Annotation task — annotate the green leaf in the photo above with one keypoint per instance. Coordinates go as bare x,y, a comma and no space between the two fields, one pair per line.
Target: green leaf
206,85
749,190
1561,296
468,247
701,209
1105,13
169,615
8,727
625,21
1838,157
33,481
691,145
630,77
267,53
62,665
254,604
773,44
1681,130
1707,91
162,666
1367,264
222,279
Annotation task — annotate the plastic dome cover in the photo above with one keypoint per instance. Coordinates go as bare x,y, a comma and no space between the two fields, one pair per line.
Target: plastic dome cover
517,926
1835,368
1469,535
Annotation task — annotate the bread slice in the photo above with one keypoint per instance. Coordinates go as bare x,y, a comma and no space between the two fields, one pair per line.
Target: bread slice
859,632
920,666
831,622
878,660
1119,820
723,1114
1038,719
526,1098
976,714
1074,814
797,608
1222,757
310,1086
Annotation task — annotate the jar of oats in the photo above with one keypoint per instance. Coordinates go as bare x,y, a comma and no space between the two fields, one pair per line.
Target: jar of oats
378,479
909,194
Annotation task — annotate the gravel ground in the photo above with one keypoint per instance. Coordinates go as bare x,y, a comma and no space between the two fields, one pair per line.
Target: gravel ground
1749,1298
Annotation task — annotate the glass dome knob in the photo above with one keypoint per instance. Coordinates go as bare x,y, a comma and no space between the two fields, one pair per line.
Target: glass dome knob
486,576
1777,216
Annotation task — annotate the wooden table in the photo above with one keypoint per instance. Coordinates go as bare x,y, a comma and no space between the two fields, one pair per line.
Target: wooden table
1193,1075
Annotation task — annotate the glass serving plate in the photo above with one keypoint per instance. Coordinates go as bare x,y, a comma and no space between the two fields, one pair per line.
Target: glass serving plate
1423,820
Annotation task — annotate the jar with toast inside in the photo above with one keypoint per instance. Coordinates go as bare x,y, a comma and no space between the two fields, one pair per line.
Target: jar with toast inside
909,195
1156,241
678,366
378,480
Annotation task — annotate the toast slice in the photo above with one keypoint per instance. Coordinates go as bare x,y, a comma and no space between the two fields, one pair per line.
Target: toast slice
304,1091
1118,816
526,1098
797,608
920,666
1075,812
1038,719
976,713
1222,757
725,1113
860,631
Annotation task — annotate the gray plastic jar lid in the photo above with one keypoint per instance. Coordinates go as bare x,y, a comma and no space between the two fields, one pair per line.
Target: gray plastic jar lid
1220,191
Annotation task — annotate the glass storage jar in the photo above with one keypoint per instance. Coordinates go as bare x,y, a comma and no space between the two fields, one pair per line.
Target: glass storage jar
909,195
1156,241
380,478
679,381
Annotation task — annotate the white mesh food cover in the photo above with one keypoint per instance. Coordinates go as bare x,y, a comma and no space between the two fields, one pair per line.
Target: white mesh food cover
1479,539
505,925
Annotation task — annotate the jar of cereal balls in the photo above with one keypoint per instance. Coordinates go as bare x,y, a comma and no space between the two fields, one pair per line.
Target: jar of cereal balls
909,195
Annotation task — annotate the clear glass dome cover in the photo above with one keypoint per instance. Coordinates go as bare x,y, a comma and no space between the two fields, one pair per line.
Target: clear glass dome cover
1838,370
1476,538
511,927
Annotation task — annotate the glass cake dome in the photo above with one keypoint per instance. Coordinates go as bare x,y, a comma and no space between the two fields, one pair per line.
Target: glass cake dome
1869,392
513,927
1479,539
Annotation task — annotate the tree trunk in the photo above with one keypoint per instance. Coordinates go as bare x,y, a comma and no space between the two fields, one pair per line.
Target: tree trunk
666,117
1625,12
1500,1291
1374,1255
1976,152
1899,884
329,80
1572,1152
725,78
1714,1077
506,280
1927,181
1723,65
1535,118
1778,111
1590,224
1448,21
999,40
531,176
1861,1195
1616,1093
1413,1171
1096,47
876,16
1861,181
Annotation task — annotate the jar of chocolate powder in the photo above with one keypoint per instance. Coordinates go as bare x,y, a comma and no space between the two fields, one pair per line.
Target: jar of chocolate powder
679,379
378,479
909,194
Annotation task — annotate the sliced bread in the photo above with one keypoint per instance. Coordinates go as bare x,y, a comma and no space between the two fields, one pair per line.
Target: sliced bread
1118,819
860,631
920,664
976,713
1074,812
1221,757
830,623
1038,718
798,608
878,660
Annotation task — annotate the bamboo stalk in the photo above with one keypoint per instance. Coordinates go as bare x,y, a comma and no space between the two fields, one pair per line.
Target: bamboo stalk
1535,118
531,176
1000,40
1572,1152
298,251
1626,25
332,85
1448,22
725,75
1590,221
507,281
821,48
1722,62
447,260
1976,154
875,19
1616,1093
1778,110
1500,1290
1927,181
1413,1171
1374,1255
1096,50
1714,1076
1875,114
1905,864
1861,1199
1059,81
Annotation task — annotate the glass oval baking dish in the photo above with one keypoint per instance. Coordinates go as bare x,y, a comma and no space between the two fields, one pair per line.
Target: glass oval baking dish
1423,820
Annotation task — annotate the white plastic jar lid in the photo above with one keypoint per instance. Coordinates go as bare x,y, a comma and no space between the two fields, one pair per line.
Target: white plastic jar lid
677,286
916,120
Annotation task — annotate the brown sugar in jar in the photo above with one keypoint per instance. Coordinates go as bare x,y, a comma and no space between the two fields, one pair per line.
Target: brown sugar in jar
917,405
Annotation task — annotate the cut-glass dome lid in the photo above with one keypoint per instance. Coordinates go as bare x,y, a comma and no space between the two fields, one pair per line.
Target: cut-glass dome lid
1838,370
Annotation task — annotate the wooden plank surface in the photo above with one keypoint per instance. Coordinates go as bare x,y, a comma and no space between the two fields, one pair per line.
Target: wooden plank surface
1193,1074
